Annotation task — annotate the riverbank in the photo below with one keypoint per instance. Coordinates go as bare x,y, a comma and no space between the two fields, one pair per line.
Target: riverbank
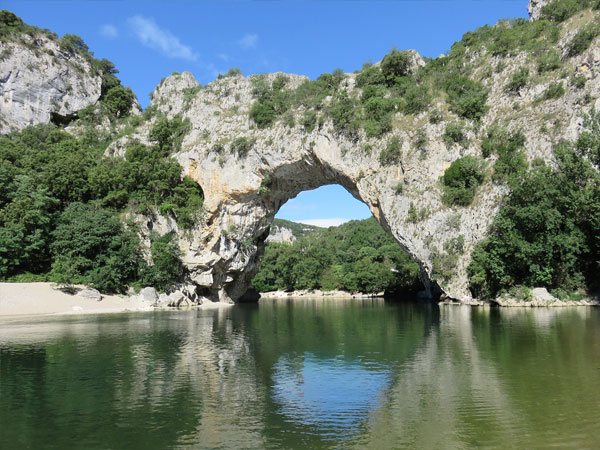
36,299
318,294
47,298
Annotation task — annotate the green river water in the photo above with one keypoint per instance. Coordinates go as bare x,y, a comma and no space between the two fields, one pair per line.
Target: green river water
303,374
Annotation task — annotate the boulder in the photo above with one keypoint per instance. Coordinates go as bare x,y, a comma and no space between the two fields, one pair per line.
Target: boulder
89,293
149,294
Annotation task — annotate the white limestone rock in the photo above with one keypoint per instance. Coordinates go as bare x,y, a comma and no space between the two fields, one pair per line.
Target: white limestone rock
39,79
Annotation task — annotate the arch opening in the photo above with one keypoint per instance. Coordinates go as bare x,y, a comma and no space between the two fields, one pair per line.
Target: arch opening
327,240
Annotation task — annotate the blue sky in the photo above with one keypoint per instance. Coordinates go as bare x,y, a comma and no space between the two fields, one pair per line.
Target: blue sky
148,40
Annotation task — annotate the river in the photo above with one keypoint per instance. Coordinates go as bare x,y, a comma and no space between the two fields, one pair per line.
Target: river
303,374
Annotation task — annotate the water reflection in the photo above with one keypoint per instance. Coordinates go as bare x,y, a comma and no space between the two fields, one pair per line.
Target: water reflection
312,373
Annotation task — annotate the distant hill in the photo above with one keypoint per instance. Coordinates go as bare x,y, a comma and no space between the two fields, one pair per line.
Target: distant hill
286,231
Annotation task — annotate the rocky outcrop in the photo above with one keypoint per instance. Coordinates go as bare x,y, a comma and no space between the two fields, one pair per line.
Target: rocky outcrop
281,235
39,81
535,8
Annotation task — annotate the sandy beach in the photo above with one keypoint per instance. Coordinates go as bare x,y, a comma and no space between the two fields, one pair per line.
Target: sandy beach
45,298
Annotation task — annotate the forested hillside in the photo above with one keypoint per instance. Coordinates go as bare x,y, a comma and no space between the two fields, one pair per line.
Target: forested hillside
358,256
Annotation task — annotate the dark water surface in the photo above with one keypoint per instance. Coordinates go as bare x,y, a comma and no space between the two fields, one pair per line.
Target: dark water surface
303,374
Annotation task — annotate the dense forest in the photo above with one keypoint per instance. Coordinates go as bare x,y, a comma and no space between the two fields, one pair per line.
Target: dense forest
358,256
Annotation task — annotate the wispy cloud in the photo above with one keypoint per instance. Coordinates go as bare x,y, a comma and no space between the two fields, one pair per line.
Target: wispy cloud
109,31
248,41
223,56
323,222
160,39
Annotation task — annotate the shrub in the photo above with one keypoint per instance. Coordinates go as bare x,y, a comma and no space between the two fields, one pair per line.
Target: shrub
417,99
392,153
548,61
461,180
169,133
582,40
343,115
241,146
561,10
308,121
579,81
263,113
554,91
509,147
118,100
466,97
518,80
395,65
399,188
455,133
167,266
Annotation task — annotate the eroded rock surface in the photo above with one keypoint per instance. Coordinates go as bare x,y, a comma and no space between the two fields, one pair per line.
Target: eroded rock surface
39,79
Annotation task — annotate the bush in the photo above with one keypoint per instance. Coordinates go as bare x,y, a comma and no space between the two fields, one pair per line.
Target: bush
518,80
417,99
241,146
167,266
548,61
395,65
118,101
342,111
466,97
561,10
554,91
392,153
461,180
455,133
547,232
582,40
169,134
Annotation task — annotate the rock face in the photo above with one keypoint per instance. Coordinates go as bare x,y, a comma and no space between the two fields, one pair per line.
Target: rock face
281,235
535,8
39,79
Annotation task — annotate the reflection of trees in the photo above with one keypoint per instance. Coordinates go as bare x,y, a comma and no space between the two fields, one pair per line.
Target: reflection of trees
468,377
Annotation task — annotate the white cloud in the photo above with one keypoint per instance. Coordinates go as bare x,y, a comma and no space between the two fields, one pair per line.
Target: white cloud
323,222
223,56
109,31
248,41
151,35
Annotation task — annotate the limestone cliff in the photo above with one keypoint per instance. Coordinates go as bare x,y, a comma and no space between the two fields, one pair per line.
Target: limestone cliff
39,78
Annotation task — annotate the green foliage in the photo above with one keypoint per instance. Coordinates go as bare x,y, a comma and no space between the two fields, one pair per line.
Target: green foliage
343,113
561,10
510,149
466,97
166,267
168,133
395,65
582,40
91,243
547,233
455,133
578,82
399,188
392,152
272,100
356,256
548,61
242,145
309,121
46,170
118,101
416,99
461,180
518,80
588,143
554,91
